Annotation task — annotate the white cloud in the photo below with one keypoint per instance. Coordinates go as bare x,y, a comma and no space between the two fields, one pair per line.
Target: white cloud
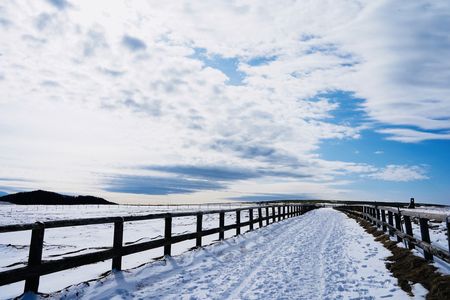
404,73
413,136
401,173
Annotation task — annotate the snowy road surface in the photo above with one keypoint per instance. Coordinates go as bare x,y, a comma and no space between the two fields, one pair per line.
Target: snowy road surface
320,255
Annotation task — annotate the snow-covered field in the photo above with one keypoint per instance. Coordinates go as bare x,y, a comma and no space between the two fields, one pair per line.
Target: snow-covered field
330,255
69,241
320,255
438,230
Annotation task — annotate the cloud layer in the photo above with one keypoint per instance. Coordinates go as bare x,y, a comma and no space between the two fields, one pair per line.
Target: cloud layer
211,96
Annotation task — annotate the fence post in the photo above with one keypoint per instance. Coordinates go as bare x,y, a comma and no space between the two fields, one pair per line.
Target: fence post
409,230
284,212
238,222
279,213
250,218
221,225
425,237
260,220
448,232
390,222
117,244
378,216
35,256
398,225
383,219
198,241
273,214
267,216
168,235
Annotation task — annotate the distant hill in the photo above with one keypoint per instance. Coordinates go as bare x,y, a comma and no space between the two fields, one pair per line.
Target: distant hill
50,198
3,193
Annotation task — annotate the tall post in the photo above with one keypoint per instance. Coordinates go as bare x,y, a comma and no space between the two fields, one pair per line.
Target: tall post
425,237
168,235
35,255
117,244
267,216
279,213
250,217
198,241
412,204
221,225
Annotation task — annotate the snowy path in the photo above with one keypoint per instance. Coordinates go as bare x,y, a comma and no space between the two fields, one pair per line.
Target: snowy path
320,255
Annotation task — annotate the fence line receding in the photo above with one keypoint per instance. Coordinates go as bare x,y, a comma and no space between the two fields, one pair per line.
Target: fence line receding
37,267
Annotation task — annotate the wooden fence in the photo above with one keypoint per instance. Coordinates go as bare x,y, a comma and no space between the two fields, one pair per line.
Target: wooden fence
37,267
390,219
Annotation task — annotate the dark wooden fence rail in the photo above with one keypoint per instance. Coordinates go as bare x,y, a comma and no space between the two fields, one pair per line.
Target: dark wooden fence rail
377,216
36,267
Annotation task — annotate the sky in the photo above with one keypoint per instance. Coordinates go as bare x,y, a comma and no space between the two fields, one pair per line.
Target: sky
213,101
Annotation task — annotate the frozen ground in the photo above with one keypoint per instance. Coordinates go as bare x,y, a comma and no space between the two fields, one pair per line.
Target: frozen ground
320,255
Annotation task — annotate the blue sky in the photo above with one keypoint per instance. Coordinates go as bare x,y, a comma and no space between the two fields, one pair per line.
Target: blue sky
181,102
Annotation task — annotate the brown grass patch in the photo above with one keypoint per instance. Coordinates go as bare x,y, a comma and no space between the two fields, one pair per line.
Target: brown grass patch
407,267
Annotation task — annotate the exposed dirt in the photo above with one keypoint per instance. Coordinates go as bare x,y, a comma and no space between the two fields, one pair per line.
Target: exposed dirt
408,268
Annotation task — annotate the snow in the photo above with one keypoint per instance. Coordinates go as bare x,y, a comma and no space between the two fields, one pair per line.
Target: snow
444,210
437,231
69,241
320,255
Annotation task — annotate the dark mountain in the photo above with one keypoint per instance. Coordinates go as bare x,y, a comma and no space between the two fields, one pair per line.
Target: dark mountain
51,198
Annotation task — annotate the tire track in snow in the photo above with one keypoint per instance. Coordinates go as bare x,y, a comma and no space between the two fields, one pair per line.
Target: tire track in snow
272,249
299,260
323,255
